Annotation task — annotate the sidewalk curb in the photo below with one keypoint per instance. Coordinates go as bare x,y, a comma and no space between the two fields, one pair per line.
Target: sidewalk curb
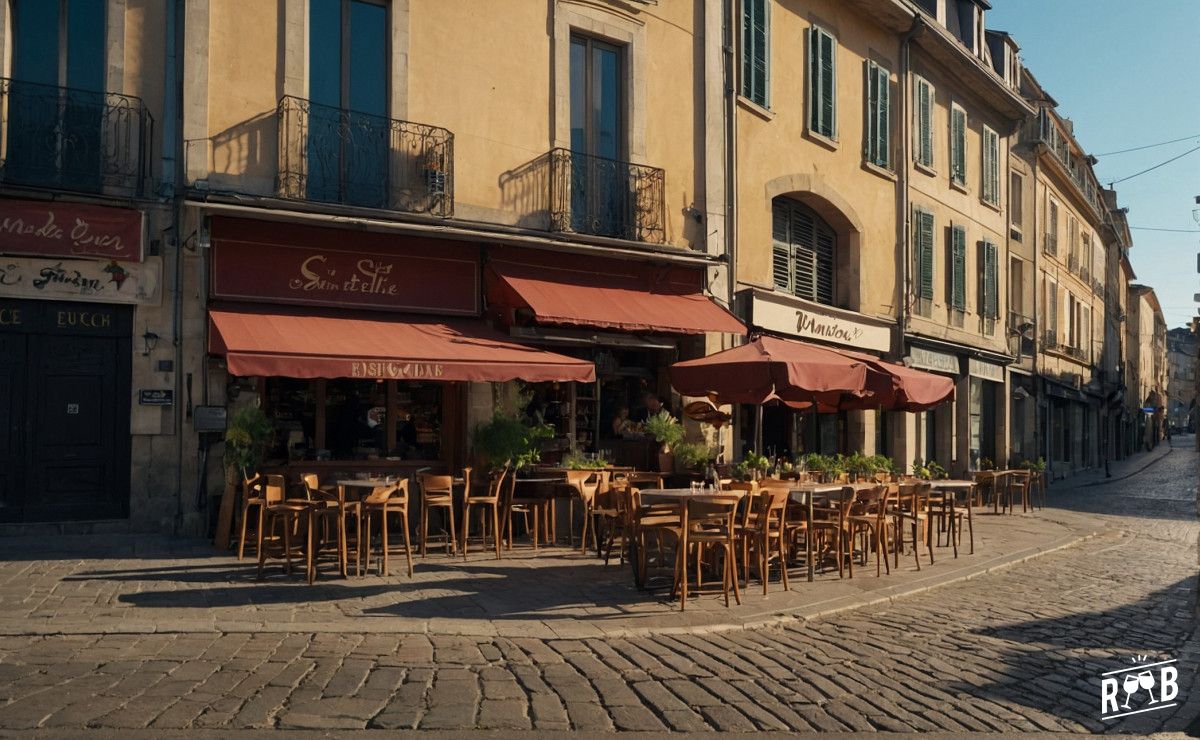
1107,481
814,611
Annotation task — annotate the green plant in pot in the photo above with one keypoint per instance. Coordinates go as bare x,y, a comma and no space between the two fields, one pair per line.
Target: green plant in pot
694,456
247,437
920,470
509,439
859,466
755,465
576,460
668,432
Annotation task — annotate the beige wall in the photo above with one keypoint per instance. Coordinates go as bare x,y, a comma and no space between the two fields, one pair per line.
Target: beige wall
777,156
495,76
933,191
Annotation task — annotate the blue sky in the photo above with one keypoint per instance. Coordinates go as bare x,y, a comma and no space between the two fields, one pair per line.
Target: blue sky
1128,74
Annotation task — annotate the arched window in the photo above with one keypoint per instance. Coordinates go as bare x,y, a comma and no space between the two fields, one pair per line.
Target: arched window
803,249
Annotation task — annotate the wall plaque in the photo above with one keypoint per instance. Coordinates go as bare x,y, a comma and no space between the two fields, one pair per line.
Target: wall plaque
106,281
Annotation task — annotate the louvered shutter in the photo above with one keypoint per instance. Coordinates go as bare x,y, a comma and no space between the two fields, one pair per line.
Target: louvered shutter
958,260
883,128
1052,307
781,253
924,127
755,53
958,155
824,261
989,292
804,256
991,166
822,82
924,224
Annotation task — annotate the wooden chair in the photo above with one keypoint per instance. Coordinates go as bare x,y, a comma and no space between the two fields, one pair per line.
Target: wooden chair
585,484
872,517
529,509
325,521
709,524
768,530
252,495
437,493
657,522
1037,486
383,502
277,511
1020,484
490,501
912,509
800,521
611,515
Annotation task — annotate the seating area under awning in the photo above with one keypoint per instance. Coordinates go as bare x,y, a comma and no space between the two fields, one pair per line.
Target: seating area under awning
276,342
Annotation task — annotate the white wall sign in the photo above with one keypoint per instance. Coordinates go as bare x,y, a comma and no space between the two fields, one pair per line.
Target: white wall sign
790,315
103,281
985,370
927,359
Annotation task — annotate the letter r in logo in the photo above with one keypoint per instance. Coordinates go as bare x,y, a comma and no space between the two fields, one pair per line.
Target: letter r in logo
1108,695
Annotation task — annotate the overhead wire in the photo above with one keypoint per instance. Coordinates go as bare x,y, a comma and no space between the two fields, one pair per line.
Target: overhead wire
1149,146
1155,167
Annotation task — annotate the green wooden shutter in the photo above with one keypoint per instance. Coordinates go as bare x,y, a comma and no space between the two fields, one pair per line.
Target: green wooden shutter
755,51
924,127
958,145
958,260
781,253
991,166
878,137
822,80
924,254
991,279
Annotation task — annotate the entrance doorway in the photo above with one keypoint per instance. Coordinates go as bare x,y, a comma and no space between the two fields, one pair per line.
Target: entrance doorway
64,411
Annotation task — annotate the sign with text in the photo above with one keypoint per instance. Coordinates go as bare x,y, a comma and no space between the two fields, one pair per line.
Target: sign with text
346,269
928,359
70,230
106,281
808,320
156,397
985,370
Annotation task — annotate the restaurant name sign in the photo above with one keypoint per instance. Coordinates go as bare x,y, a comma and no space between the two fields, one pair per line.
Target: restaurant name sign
790,315
927,359
106,281
985,370
70,230
396,370
422,279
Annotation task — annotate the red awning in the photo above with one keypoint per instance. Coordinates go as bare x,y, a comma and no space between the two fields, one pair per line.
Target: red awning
580,297
294,345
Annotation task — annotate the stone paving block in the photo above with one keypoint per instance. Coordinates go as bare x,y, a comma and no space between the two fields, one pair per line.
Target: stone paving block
588,716
503,714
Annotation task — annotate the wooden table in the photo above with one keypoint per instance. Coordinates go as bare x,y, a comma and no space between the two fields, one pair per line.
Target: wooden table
955,488
680,495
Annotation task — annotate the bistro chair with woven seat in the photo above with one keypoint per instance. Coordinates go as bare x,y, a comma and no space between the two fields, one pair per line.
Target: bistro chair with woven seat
279,519
437,494
912,511
766,534
252,495
710,524
529,509
872,517
380,504
487,503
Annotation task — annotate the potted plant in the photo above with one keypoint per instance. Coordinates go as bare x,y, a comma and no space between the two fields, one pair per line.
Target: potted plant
756,465
920,470
576,460
936,471
667,431
509,439
248,435
693,456
884,464
859,466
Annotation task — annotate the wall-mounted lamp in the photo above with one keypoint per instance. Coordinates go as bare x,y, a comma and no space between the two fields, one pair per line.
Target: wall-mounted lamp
151,341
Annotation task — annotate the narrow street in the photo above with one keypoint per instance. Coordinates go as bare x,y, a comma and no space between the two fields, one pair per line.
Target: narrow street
1021,649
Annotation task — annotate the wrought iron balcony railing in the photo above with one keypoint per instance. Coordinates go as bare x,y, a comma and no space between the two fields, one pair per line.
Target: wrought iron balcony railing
1021,333
607,197
334,155
69,139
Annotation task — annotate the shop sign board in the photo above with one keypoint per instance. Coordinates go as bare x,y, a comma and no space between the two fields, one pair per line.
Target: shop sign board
209,418
104,281
808,320
928,359
56,229
156,397
423,278
985,370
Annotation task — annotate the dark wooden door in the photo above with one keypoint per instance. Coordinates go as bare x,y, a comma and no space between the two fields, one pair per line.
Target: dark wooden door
12,425
79,406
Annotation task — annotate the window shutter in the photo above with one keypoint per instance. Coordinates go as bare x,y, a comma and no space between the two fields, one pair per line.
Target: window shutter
989,299
755,63
958,154
1052,308
804,257
924,224
781,256
883,129
821,117
924,127
958,275
828,86
824,263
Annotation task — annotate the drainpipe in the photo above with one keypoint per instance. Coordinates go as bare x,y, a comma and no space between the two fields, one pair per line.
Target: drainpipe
730,149
1038,385
902,182
173,111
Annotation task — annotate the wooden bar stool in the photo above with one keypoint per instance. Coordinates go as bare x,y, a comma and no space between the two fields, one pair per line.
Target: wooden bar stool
252,495
277,511
380,503
437,492
489,502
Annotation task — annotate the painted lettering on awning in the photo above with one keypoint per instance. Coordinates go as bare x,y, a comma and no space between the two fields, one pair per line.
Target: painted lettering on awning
396,370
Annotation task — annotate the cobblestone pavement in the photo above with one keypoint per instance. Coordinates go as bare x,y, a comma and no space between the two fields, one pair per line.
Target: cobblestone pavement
1020,649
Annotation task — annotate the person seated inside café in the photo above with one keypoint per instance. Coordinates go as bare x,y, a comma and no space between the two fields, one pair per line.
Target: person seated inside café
621,423
653,405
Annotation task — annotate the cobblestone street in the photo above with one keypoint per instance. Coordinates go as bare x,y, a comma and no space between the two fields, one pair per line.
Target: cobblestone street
1018,649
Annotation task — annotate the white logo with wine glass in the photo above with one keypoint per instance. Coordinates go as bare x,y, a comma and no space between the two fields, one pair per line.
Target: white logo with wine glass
1151,686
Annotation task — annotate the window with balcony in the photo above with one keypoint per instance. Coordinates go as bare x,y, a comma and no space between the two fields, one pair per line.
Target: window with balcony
958,146
803,251
878,131
59,119
756,51
822,83
923,122
991,167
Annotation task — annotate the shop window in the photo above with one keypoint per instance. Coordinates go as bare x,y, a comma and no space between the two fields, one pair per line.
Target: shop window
803,251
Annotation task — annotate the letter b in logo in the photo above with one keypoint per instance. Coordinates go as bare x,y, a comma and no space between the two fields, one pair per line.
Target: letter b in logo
1168,683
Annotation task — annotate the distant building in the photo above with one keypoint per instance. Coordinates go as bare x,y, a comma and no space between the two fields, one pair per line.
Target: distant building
1182,348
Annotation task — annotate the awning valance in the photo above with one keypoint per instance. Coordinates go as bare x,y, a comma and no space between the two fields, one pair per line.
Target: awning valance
297,345
578,297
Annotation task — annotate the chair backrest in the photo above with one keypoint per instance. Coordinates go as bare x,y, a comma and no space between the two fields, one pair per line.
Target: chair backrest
874,501
772,508
495,486
586,482
1021,477
713,513
275,489
391,493
436,485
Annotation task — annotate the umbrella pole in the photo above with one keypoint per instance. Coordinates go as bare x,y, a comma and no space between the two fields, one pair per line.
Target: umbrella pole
816,425
758,414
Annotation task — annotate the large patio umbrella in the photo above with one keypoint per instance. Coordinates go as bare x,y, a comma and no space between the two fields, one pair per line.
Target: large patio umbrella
912,390
768,368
